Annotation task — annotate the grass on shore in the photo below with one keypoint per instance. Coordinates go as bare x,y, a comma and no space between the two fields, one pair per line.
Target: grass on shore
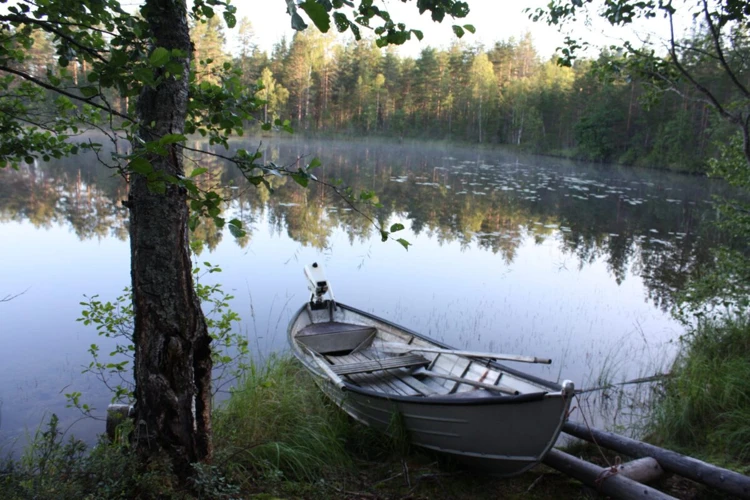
278,437
705,406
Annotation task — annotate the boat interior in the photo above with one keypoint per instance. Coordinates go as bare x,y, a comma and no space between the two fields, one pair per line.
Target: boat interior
381,358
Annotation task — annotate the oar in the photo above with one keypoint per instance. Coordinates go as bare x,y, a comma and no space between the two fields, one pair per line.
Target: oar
326,368
396,347
499,387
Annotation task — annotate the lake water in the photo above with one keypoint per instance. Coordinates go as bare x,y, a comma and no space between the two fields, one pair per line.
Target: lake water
510,253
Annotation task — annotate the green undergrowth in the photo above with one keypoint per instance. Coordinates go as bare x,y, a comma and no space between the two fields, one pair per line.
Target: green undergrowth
704,409
277,436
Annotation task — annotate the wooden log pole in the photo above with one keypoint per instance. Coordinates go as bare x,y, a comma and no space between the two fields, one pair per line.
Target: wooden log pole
645,470
716,477
116,414
611,484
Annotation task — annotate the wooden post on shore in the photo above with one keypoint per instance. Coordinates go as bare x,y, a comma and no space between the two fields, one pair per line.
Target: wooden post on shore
716,477
116,414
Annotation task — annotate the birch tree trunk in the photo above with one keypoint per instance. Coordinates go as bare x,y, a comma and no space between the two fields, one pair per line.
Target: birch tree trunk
172,352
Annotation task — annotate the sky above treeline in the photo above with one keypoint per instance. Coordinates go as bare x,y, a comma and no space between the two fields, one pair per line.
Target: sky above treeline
494,20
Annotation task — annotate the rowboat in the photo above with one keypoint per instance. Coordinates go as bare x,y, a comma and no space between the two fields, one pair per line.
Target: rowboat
461,403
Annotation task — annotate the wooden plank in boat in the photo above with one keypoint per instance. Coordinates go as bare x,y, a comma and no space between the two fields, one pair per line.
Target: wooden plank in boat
451,365
362,380
333,327
372,380
370,364
417,384
478,372
332,336
387,376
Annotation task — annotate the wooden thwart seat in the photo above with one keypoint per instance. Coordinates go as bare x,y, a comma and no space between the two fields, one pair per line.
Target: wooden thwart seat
380,364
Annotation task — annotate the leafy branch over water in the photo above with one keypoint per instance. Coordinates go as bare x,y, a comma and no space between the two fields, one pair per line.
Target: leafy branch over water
114,320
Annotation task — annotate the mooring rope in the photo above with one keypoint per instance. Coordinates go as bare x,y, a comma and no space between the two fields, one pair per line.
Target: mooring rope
640,380
611,469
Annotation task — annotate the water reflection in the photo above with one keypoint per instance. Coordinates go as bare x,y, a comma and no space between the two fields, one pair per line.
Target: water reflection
510,253
654,225
68,192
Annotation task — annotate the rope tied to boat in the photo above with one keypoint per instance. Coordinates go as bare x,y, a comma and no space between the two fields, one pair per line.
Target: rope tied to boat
611,469
570,412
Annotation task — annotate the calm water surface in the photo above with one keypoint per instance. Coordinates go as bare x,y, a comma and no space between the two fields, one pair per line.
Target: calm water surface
510,253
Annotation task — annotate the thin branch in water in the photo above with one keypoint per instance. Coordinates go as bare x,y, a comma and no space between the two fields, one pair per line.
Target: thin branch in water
11,296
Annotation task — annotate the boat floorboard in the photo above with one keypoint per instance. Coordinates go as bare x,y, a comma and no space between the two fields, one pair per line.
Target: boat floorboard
387,374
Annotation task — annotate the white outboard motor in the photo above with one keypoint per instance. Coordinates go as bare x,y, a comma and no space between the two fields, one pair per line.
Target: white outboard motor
318,285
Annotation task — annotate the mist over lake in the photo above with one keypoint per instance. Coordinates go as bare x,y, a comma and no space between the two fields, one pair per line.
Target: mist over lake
511,253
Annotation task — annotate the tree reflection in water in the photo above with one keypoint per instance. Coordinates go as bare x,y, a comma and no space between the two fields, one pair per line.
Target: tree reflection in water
655,225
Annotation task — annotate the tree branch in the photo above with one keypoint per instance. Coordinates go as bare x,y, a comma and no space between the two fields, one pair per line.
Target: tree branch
48,86
47,26
716,36
709,95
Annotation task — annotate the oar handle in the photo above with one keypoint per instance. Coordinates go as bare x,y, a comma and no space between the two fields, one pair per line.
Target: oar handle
326,369
394,346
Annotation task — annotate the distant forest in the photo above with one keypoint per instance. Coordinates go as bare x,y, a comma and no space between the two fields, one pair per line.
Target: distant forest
504,94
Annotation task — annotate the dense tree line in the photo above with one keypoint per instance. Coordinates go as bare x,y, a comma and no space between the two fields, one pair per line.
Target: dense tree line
503,94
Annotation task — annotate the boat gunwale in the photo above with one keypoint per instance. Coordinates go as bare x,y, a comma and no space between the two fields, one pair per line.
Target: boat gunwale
431,400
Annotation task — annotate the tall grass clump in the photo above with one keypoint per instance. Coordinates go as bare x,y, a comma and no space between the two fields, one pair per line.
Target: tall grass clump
705,406
278,425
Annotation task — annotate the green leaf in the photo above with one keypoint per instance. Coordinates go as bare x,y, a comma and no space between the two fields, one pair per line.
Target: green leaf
397,227
404,243
458,30
159,57
171,139
314,163
317,13
300,179
141,166
418,34
158,187
235,227
144,75
198,171
383,235
470,28
89,91
193,222
298,23
230,19
341,21
117,59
